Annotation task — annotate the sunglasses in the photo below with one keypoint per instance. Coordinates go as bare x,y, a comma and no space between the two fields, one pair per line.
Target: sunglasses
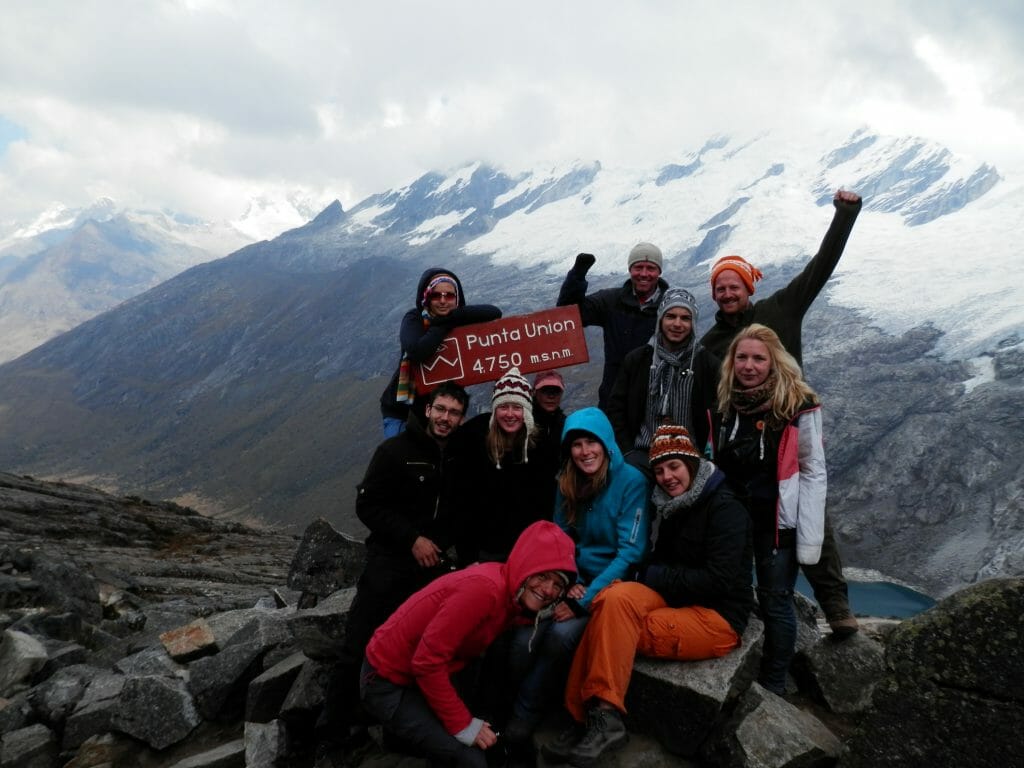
438,295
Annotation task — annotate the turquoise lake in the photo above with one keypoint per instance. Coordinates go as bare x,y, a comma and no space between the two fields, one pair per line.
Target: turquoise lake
878,598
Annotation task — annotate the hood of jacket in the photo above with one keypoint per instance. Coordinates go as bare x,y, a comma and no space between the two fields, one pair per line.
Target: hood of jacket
429,275
542,546
594,422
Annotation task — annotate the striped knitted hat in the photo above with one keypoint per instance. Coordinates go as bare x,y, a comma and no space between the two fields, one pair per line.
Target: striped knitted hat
671,441
513,387
748,273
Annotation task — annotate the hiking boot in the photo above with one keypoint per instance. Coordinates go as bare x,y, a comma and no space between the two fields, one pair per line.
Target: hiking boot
605,732
843,626
557,751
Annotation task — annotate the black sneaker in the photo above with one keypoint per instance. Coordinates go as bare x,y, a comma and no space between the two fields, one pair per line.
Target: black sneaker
605,732
557,751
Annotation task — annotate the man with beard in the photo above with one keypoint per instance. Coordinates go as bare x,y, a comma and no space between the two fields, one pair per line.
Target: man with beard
733,281
404,501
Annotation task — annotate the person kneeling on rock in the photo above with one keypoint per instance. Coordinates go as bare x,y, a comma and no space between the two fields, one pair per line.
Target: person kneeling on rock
406,680
691,599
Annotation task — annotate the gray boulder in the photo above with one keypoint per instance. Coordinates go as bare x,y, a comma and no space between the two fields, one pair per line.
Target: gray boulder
766,731
320,631
34,746
95,710
954,690
70,588
15,712
55,699
230,755
21,657
307,693
268,691
157,710
60,654
842,673
266,744
679,702
264,628
325,561
151,661
219,682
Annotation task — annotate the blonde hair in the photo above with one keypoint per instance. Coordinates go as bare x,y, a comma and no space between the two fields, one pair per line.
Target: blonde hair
790,391
499,442
578,487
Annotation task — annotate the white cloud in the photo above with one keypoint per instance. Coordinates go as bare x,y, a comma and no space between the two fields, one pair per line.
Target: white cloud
206,105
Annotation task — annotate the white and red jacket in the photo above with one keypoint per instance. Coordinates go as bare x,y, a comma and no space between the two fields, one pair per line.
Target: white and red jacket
803,483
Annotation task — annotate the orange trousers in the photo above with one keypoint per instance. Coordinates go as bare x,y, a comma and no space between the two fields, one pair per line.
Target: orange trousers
628,618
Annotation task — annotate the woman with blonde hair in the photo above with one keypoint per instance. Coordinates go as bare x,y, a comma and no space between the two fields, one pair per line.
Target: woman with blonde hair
503,479
767,438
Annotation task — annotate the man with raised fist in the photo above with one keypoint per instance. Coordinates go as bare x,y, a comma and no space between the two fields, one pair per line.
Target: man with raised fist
627,315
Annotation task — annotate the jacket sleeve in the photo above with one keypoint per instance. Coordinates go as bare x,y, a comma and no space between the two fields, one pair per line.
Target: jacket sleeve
420,343
810,522
377,503
467,606
725,544
593,309
617,409
704,397
801,292
633,531
469,314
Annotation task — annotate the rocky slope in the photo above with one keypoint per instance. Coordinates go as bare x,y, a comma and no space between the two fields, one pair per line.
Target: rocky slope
142,635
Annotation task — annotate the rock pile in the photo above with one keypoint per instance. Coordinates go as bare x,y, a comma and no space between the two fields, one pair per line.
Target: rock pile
185,645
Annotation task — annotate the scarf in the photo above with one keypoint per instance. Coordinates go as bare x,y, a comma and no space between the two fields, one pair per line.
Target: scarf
757,399
405,392
669,385
667,506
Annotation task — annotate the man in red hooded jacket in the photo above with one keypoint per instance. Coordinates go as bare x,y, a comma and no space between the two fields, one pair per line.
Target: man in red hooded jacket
407,676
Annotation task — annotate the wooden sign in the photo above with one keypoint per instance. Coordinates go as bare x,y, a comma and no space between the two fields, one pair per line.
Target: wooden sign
471,354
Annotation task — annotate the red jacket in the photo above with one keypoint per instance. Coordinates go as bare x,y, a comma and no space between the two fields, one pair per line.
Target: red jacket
451,621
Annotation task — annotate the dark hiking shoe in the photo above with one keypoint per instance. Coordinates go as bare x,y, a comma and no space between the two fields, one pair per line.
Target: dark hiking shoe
605,732
557,751
843,626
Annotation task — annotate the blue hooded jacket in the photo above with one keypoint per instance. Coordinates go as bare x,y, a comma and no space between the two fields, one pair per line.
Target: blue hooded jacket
612,531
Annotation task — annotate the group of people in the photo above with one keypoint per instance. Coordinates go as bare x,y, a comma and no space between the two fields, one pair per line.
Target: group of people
525,556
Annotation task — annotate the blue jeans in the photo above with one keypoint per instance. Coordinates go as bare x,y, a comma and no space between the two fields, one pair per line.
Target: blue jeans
541,672
776,571
393,427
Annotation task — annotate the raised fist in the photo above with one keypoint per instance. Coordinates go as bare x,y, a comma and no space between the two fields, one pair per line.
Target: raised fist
584,261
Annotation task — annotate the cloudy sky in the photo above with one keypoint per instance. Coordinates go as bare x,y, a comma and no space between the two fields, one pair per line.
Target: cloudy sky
202,106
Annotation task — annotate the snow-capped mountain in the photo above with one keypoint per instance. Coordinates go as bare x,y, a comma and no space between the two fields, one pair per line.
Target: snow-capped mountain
250,383
71,264
932,233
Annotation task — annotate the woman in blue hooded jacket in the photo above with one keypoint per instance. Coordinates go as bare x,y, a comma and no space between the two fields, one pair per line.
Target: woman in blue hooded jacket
602,503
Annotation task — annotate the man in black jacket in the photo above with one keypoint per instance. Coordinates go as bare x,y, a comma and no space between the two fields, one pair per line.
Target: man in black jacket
733,281
628,314
404,500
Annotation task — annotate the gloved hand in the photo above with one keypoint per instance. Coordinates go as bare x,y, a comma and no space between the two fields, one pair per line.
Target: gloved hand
584,261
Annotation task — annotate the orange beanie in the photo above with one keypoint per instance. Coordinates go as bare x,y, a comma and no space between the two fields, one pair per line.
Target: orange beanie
748,273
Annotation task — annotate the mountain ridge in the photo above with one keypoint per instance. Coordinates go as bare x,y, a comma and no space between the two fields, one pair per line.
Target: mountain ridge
253,380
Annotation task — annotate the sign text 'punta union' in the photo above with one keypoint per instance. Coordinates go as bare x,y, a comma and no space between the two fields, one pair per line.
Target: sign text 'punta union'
530,329
552,338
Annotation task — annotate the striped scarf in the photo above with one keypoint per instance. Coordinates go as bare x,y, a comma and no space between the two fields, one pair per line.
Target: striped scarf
670,383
